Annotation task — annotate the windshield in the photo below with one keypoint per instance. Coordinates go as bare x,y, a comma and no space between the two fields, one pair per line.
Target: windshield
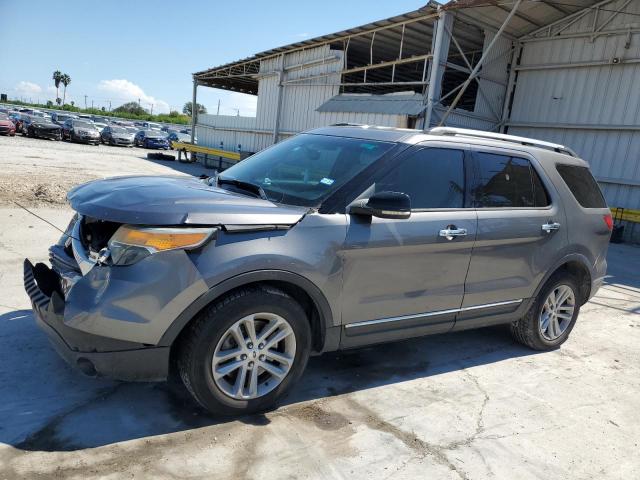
118,130
307,168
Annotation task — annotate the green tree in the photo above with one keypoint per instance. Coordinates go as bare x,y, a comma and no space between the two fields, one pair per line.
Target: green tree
188,108
65,80
131,107
57,78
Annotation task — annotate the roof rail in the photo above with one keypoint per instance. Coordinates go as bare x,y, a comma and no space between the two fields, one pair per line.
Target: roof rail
466,132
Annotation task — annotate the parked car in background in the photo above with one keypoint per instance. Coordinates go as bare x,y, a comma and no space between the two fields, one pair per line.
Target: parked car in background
17,119
60,118
99,125
41,127
40,114
151,139
178,137
116,135
151,126
7,127
79,130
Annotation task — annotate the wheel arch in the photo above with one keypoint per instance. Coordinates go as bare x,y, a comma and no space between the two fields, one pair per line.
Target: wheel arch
311,298
579,267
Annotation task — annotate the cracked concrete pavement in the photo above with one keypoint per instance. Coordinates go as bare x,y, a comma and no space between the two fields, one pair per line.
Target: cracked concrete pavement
471,405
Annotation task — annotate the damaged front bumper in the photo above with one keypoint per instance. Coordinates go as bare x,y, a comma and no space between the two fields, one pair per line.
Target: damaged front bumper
94,355
108,320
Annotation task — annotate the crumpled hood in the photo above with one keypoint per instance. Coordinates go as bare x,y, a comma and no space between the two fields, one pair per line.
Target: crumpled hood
175,200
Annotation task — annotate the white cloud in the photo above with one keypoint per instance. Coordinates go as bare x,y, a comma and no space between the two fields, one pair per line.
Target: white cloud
126,91
27,88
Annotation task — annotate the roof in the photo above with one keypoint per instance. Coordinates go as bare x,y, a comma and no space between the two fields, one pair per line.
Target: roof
394,104
366,132
411,136
474,15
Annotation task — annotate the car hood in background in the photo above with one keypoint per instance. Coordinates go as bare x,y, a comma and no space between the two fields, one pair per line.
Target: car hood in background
155,200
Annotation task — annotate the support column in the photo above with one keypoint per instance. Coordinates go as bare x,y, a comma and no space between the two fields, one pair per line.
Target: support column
194,115
440,53
276,125
511,85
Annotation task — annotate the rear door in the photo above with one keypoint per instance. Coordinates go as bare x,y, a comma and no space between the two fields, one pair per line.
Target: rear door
404,278
521,233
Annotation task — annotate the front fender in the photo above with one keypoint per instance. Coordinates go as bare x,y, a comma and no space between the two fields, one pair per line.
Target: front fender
320,301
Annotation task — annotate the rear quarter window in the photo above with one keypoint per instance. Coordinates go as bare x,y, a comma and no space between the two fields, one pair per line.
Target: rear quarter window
583,186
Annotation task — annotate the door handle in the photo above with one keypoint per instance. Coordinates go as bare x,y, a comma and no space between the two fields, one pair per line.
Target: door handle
451,232
548,227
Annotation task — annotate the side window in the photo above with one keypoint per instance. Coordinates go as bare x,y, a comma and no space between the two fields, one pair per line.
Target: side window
508,182
582,185
432,177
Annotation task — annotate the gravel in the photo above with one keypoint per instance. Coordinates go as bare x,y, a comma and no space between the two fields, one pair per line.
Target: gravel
36,172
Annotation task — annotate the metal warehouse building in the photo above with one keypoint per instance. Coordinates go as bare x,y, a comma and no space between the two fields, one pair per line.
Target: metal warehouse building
567,71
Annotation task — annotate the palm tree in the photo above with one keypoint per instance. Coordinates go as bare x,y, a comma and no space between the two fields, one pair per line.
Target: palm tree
65,80
57,76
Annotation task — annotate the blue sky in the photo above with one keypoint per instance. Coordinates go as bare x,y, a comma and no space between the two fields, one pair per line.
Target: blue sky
123,50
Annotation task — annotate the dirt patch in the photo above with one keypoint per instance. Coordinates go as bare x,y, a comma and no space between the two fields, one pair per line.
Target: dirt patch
38,190
321,418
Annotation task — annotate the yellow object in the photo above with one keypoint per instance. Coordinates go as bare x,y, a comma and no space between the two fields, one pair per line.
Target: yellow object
214,152
626,214
161,238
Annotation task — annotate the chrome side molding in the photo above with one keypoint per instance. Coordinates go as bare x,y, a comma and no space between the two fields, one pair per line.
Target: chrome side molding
432,314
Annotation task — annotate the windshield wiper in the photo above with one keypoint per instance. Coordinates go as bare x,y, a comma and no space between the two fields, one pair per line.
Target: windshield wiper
256,190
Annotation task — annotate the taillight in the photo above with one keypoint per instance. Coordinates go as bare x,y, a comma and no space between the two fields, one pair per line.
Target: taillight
608,220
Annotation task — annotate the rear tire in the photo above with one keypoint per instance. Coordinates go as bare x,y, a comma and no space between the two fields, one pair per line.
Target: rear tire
215,331
535,330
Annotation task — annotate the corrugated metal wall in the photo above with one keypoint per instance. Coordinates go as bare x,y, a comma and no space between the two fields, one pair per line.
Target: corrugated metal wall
593,109
298,105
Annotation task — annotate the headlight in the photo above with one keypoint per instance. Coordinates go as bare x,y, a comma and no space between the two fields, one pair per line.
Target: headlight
131,244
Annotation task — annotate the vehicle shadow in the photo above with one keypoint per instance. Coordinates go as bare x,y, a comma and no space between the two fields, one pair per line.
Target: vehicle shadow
47,406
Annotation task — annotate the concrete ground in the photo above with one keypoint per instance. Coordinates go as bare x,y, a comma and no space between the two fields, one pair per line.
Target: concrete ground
472,405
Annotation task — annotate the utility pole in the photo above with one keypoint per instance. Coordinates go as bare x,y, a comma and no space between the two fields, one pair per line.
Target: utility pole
138,102
91,104
109,105
85,102
152,109
218,112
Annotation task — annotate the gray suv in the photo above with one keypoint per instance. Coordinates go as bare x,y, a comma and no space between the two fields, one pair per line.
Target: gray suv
340,237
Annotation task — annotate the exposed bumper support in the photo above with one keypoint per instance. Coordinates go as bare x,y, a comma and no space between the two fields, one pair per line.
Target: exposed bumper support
92,354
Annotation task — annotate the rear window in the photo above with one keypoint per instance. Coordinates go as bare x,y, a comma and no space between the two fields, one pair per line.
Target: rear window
583,186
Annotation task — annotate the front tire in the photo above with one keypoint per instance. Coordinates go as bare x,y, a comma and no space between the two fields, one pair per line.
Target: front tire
245,351
550,319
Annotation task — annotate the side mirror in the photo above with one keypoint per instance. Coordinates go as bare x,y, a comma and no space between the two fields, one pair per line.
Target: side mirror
383,205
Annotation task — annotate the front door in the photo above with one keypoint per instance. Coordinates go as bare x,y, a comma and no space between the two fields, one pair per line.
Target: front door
405,278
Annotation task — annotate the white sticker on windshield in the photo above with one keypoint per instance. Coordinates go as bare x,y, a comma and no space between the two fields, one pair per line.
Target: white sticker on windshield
327,181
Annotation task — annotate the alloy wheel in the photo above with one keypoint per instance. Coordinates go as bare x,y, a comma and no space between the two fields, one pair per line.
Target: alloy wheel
253,356
557,312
